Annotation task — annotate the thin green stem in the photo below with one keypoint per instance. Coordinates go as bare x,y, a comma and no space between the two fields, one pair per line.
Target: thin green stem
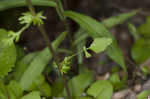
23,28
49,44
60,12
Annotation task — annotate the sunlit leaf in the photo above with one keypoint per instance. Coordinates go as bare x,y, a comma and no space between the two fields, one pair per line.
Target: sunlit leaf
78,84
100,44
7,57
101,90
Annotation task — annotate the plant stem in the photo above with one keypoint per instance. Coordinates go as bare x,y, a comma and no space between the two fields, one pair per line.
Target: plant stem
42,30
60,11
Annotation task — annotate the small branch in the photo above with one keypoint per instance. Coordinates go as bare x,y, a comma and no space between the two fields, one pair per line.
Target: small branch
49,44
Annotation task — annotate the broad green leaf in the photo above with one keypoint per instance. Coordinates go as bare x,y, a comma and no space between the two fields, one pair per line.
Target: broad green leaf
39,81
114,78
12,90
45,89
78,84
32,95
22,65
57,88
7,4
143,95
144,28
3,90
35,68
100,44
101,90
140,50
37,65
41,85
15,90
115,20
96,30
7,57
116,82
3,34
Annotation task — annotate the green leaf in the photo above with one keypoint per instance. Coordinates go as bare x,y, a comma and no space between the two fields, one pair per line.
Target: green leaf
32,95
100,44
3,34
59,39
140,50
114,78
7,57
57,88
145,70
101,89
14,89
37,65
3,90
8,4
133,31
143,95
45,89
22,65
35,68
20,52
96,30
116,20
144,28
80,41
39,81
41,85
78,84
116,82
80,36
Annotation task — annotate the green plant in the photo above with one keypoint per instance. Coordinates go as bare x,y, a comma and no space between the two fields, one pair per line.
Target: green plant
15,68
141,38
